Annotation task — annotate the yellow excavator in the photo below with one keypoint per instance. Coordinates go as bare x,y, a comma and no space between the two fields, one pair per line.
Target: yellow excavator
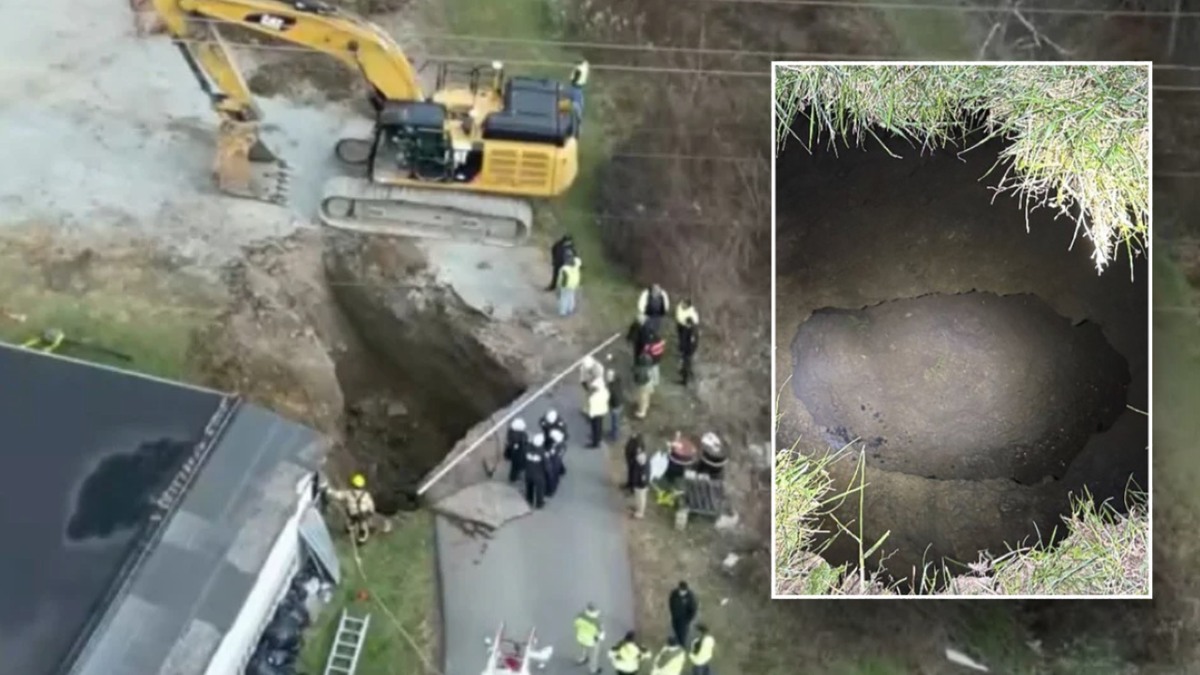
460,163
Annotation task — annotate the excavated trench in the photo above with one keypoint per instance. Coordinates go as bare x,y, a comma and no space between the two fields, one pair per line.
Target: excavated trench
414,374
985,372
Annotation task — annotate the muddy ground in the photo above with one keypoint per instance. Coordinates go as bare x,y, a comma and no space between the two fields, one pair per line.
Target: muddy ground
865,229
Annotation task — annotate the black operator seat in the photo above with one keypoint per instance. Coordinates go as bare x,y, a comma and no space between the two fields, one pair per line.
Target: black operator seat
531,113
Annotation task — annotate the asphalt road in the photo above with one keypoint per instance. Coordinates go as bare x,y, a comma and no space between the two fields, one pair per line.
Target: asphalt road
538,572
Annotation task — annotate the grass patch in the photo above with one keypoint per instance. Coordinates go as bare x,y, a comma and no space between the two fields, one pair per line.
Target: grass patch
606,291
1079,136
399,575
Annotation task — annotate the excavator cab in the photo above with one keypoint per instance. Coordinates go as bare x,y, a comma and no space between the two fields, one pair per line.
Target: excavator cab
412,142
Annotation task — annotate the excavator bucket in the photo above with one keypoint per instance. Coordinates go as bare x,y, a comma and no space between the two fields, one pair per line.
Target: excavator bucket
246,167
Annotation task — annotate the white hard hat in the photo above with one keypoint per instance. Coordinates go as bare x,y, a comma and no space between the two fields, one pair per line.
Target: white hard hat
518,424
552,415
588,363
540,439
556,435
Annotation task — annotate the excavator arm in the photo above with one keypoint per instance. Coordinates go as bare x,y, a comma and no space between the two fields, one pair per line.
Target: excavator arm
244,165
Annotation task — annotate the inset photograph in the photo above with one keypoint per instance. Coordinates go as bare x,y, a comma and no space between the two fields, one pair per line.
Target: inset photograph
962,331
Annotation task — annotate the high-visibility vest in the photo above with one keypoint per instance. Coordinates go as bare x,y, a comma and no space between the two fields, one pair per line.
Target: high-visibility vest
653,304
587,628
597,405
702,650
570,275
670,661
682,315
626,657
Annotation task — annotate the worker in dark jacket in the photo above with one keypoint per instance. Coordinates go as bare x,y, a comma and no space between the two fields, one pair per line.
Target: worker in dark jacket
514,449
653,304
633,446
689,341
551,421
683,606
555,464
562,251
535,472
641,482
654,348
616,403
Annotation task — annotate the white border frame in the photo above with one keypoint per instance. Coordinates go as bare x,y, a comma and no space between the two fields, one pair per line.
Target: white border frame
1149,65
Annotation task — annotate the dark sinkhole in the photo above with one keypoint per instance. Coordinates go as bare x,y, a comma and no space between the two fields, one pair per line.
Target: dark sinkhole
985,366
973,386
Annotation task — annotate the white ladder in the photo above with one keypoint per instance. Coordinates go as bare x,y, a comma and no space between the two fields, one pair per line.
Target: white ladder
347,644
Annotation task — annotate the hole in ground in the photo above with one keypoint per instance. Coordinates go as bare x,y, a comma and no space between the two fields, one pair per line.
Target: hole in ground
971,386
863,229
412,390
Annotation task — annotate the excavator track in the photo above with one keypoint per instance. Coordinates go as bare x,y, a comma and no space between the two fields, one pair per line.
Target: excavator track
359,205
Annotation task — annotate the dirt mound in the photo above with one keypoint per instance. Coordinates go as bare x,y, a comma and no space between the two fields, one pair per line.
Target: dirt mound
968,386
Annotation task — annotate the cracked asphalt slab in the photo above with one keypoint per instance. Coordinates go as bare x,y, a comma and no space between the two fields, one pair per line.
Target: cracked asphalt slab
537,572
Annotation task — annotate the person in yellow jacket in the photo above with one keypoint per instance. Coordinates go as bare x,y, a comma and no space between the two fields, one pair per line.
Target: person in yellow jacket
701,653
627,656
589,632
359,507
670,660
597,409
568,286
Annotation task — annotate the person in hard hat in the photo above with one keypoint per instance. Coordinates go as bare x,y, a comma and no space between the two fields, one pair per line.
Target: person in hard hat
514,449
589,633
616,402
560,252
359,505
551,421
556,467
701,653
653,304
589,371
640,482
597,410
627,655
670,660
568,285
535,472
643,379
683,607
687,329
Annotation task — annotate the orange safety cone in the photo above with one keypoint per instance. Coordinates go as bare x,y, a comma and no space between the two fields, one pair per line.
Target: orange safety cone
362,596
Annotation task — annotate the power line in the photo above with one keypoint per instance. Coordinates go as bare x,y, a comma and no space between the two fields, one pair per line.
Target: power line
962,9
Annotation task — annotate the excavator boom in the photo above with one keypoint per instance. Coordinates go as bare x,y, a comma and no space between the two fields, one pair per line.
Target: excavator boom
438,165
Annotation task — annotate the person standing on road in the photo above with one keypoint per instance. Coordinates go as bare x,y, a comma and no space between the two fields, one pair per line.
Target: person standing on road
616,403
535,472
687,328
683,606
562,251
627,655
643,379
701,653
589,633
640,482
597,410
568,285
632,448
515,446
551,421
555,466
670,660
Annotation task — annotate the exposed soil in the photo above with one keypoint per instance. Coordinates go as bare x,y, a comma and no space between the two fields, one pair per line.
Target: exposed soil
970,386
867,229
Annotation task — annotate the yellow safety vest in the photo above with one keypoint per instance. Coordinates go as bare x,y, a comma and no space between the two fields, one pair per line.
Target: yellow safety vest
703,653
579,77
682,315
597,405
670,661
587,628
626,657
570,276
